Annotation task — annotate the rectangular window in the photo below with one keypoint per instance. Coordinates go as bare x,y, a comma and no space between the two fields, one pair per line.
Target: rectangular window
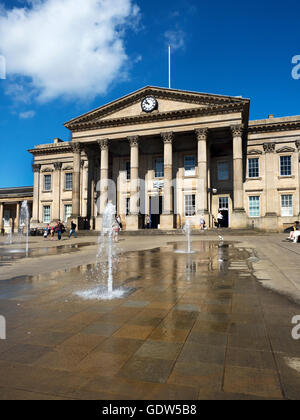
46,214
128,171
68,212
286,205
223,171
190,205
159,168
254,206
47,182
223,203
189,166
285,165
127,206
253,168
69,182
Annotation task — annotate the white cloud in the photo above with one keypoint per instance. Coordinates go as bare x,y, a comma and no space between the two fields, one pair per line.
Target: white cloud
26,115
176,39
66,48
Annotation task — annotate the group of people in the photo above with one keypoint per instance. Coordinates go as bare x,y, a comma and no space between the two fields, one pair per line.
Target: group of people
295,233
59,229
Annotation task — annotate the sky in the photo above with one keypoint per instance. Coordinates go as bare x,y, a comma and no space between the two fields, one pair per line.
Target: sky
62,58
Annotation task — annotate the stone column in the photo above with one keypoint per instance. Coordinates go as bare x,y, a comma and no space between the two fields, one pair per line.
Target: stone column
17,225
132,222
202,206
167,219
36,194
56,191
1,216
298,147
270,219
104,166
76,181
238,218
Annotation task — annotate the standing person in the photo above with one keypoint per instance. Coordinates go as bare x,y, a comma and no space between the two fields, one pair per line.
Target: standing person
73,230
120,222
59,229
46,232
116,229
220,219
148,222
202,222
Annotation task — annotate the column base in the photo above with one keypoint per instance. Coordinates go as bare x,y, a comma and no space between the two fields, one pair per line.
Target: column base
167,222
270,222
132,223
238,219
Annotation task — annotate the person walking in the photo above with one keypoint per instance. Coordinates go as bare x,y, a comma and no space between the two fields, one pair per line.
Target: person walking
59,229
73,230
220,219
116,229
202,222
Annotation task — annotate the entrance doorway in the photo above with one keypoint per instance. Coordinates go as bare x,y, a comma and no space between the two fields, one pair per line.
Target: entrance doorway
156,209
224,209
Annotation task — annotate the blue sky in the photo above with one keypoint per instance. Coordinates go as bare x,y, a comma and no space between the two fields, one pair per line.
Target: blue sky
219,47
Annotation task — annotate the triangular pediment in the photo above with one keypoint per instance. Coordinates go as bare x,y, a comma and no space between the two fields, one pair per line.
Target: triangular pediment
169,101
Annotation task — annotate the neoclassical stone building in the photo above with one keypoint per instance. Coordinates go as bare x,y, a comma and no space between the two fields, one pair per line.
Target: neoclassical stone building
171,155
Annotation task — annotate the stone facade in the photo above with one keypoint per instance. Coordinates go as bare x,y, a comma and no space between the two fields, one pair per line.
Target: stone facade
194,155
10,206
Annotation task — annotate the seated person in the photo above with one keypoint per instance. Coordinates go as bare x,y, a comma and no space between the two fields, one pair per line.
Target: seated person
296,235
295,228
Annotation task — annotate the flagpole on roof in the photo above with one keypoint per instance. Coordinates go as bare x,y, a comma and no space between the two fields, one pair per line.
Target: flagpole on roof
169,66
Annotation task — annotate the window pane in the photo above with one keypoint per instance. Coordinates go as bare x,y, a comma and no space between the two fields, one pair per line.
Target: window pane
285,165
68,211
190,165
46,216
69,182
286,205
253,168
223,203
128,168
47,182
223,171
127,206
254,206
190,205
159,168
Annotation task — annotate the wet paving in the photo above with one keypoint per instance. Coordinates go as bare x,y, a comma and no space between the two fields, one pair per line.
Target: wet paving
17,252
190,327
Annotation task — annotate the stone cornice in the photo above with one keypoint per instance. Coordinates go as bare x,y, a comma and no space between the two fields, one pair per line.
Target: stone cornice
274,127
156,117
160,93
49,149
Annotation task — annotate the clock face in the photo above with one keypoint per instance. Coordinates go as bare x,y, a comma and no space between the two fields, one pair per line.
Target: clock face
149,104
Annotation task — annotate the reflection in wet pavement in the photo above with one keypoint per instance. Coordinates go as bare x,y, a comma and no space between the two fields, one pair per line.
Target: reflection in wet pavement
193,326
10,254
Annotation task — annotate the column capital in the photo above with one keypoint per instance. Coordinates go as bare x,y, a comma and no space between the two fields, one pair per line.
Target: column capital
76,147
269,147
36,168
168,137
134,141
237,130
201,133
298,144
57,166
103,144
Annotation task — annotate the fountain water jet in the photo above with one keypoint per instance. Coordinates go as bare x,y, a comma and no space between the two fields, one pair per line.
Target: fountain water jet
187,230
107,262
24,222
